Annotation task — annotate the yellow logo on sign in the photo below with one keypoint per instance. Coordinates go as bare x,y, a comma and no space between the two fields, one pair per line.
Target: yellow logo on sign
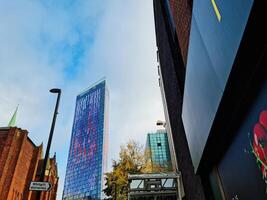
217,12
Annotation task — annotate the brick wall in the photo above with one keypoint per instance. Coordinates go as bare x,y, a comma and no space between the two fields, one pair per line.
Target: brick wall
3,148
37,154
51,176
18,163
10,155
24,154
182,14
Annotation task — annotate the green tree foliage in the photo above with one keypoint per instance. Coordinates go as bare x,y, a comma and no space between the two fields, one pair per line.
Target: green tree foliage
131,161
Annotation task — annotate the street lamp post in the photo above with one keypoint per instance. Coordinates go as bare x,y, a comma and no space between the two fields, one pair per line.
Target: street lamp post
161,123
58,92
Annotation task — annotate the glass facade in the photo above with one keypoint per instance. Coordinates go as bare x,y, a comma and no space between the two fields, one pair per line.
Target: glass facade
157,151
216,31
87,154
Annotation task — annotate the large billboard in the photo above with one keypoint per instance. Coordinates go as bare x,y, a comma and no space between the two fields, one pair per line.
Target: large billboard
86,161
217,28
243,169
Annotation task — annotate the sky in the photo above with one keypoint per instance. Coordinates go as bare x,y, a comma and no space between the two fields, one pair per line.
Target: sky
70,44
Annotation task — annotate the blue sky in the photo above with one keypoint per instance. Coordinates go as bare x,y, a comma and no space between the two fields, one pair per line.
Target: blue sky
72,44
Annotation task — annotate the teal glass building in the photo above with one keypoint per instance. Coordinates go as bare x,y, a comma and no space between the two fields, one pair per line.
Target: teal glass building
87,159
157,151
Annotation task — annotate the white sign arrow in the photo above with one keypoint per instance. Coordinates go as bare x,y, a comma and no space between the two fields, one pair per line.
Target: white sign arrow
40,186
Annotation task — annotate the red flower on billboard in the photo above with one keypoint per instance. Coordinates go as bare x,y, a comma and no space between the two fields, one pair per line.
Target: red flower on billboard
259,146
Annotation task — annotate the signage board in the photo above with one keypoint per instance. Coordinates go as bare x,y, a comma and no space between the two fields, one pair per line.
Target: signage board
40,186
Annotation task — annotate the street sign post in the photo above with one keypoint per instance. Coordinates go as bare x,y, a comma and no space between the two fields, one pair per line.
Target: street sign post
40,186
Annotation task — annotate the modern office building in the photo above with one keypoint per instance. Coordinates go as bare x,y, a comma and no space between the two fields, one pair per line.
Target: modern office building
212,66
88,147
157,152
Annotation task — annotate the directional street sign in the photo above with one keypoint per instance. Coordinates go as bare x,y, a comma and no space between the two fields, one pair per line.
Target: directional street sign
40,186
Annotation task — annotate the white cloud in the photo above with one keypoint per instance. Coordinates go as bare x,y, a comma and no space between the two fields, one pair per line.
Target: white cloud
119,43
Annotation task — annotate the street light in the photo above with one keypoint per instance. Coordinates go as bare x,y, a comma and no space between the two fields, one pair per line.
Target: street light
58,92
161,123
55,90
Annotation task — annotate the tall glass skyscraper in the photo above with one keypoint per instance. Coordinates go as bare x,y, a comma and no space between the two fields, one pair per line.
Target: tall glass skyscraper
88,148
157,151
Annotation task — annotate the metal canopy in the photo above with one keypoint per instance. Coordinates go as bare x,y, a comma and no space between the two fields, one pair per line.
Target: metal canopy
163,186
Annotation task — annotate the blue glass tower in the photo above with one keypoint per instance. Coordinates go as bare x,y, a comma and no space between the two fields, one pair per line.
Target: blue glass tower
88,148
157,151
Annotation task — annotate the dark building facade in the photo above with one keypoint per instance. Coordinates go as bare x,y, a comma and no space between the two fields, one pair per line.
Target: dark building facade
212,68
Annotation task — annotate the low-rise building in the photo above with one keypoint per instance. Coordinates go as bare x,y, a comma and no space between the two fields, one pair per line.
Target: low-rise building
20,163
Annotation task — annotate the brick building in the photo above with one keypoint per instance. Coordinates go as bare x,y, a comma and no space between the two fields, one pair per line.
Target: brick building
51,176
20,163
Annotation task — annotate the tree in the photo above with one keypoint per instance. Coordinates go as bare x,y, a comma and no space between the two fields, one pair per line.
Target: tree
131,161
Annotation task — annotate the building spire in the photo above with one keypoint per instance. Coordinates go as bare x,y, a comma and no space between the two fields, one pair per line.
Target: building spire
12,121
